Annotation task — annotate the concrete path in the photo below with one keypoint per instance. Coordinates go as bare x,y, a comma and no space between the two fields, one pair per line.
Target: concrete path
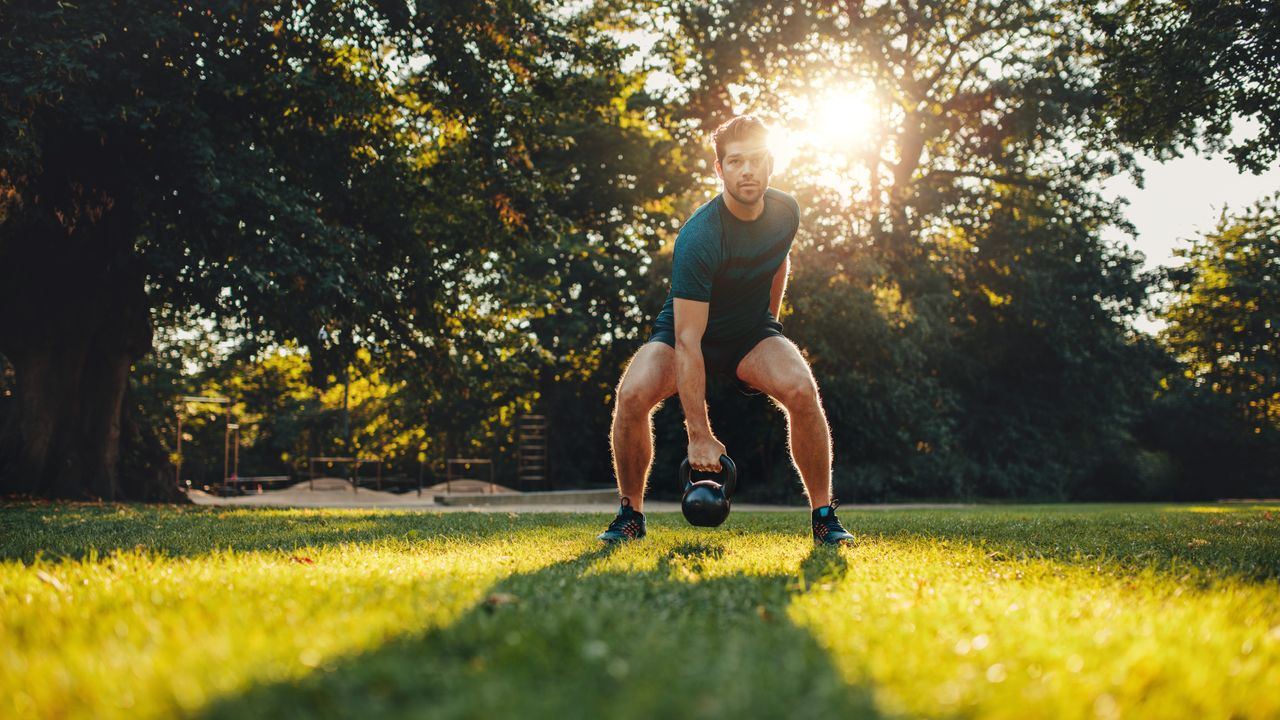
299,496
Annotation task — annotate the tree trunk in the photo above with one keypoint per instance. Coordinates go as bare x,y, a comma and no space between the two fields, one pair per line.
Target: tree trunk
71,340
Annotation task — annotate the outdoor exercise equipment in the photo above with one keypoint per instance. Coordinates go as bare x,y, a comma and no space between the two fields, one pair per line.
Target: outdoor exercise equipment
353,469
706,502
465,465
180,409
532,470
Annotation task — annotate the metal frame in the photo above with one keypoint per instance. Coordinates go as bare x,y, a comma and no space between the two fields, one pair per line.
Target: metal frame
448,472
311,469
533,433
226,436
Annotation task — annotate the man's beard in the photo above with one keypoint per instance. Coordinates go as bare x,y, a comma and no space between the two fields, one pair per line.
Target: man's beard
745,201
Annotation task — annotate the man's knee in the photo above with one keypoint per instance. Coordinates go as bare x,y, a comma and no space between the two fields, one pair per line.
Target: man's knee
642,386
799,393
636,398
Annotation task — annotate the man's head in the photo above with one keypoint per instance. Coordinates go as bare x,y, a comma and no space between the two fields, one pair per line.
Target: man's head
743,160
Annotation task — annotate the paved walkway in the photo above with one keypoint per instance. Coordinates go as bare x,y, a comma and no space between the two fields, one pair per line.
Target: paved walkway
299,496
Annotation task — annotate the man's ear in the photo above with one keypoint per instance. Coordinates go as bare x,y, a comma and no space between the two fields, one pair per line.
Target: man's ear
719,170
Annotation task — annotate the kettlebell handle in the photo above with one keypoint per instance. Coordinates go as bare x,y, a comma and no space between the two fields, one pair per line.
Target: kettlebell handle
728,471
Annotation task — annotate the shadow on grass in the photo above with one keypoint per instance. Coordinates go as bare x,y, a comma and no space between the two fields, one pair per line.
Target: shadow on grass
615,633
1241,542
1238,541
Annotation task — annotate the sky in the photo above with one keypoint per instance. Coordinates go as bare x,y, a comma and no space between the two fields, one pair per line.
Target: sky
1183,198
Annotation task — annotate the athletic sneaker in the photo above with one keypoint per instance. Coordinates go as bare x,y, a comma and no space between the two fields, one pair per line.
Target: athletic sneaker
628,525
827,529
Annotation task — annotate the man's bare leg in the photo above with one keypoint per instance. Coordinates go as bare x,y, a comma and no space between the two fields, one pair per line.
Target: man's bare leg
649,379
776,367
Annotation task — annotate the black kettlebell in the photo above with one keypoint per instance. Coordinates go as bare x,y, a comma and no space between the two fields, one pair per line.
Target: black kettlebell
706,502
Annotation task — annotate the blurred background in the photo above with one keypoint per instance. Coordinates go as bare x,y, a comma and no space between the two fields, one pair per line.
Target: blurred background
390,229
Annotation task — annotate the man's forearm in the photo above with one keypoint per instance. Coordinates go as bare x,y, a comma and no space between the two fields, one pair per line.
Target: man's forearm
691,383
779,288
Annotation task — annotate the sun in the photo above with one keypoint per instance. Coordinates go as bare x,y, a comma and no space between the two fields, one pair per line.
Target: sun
842,118
839,120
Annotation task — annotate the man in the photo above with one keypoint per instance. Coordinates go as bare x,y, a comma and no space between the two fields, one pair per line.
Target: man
727,280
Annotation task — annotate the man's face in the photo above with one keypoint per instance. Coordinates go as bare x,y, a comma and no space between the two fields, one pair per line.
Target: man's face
745,170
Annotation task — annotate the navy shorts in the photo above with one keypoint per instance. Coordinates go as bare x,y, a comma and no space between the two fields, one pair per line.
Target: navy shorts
722,358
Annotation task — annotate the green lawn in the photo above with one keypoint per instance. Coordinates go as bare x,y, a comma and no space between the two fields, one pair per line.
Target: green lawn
1009,612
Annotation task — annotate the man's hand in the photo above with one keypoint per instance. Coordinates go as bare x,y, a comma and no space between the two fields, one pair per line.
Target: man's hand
691,322
704,454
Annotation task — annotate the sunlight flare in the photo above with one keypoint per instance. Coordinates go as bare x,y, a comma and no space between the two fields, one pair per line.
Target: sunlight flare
838,121
842,119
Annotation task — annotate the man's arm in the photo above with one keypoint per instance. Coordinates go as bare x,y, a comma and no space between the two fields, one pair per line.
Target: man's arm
691,382
779,286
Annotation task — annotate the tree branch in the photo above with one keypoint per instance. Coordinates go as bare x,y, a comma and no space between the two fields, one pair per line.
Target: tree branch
1003,178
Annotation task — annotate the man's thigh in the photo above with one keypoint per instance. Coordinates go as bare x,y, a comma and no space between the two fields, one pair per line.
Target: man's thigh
775,367
651,374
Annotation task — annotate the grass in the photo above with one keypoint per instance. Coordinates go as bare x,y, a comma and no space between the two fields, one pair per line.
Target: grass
997,612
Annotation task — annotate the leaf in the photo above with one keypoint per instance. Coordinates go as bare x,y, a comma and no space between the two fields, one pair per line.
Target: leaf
51,580
498,599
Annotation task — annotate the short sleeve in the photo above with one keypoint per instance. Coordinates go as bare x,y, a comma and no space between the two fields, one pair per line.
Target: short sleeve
795,209
696,259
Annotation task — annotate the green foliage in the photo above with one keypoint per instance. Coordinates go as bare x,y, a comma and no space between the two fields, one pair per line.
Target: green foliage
1224,330
1184,73
287,415
980,612
969,327
1224,319
228,161
424,185
1049,373
893,420
261,139
462,213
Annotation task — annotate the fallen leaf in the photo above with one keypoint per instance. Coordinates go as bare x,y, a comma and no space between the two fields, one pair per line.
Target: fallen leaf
301,560
496,599
51,580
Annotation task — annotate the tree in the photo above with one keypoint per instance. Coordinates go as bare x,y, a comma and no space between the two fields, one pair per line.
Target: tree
221,157
354,176
1183,73
1049,380
1224,319
1224,330
962,241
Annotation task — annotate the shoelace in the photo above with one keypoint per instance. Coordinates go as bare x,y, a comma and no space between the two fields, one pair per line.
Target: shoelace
830,522
619,522
627,521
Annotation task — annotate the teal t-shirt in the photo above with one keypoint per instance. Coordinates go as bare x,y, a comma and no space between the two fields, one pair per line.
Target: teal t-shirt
730,263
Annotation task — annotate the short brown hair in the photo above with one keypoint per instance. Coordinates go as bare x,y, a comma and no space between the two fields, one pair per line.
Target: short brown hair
738,128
